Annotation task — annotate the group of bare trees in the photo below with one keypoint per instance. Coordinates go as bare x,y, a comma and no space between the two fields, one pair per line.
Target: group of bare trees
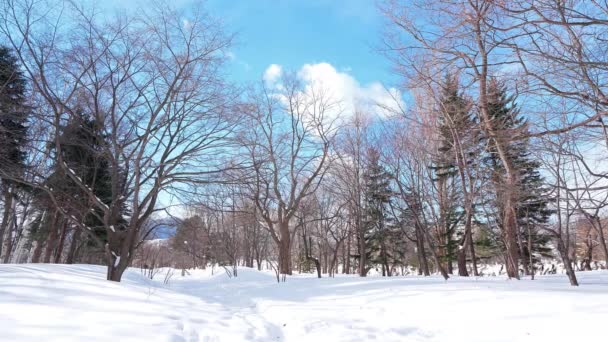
149,84
494,155
550,56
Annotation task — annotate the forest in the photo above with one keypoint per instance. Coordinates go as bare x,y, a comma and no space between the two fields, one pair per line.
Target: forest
124,143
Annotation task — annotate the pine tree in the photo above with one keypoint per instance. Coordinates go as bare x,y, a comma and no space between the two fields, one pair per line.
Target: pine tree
454,123
81,142
80,145
380,228
13,132
532,199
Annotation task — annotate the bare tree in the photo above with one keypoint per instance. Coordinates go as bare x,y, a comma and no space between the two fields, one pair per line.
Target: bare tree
459,35
151,80
348,174
289,131
410,164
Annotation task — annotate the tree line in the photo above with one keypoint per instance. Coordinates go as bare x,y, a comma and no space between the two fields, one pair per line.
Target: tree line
492,156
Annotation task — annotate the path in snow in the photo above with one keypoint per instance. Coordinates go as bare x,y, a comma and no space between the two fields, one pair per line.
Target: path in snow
75,303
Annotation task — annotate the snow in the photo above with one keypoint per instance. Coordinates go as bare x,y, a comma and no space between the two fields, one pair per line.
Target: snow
74,303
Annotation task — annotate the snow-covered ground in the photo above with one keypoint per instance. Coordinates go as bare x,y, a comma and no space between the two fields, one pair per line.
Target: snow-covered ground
75,303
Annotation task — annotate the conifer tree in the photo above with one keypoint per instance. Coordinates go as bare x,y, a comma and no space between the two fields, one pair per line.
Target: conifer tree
532,210
455,131
379,225
80,140
13,133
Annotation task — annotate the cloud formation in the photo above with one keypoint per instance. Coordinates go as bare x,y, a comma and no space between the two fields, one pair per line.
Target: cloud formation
273,73
372,98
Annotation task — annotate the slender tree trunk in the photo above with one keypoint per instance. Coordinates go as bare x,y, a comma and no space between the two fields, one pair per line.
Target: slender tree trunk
468,240
73,245
602,239
52,239
10,240
421,251
522,252
473,255
334,260
37,251
440,267
510,235
325,259
64,228
346,268
383,260
530,255
510,185
586,263
563,252
362,254
8,205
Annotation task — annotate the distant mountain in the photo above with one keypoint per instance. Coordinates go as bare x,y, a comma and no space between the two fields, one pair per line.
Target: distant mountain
165,228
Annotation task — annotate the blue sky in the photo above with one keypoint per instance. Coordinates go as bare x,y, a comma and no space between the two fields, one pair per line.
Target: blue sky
331,41
291,33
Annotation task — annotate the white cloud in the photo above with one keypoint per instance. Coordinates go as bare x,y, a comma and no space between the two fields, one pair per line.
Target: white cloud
233,58
373,98
273,73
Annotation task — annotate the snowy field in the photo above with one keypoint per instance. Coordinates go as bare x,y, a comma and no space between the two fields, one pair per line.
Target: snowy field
75,303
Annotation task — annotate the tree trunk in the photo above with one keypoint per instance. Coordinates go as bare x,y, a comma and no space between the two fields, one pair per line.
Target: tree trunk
8,205
37,251
563,252
362,254
72,252
522,252
510,186
9,243
116,265
64,228
602,239
473,255
467,243
462,260
386,271
346,265
423,263
52,240
440,267
334,260
317,265
512,254
285,250
586,263
258,259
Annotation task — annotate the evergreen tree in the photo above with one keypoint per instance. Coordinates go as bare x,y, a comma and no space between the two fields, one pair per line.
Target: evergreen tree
455,121
380,228
80,141
532,199
13,132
